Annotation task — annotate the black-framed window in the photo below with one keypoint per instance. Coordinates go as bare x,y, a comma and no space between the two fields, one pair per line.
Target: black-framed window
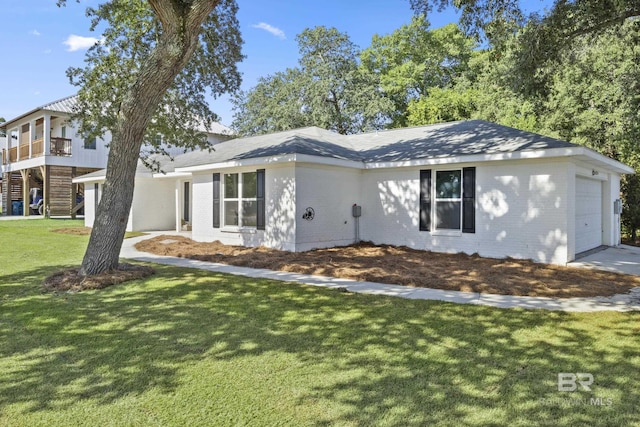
239,199
449,197
90,143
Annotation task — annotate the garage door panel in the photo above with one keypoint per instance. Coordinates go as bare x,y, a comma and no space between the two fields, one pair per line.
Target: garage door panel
588,214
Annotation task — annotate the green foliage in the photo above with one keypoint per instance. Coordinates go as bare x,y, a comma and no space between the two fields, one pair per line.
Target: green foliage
496,101
595,101
114,64
192,347
442,105
495,20
413,60
327,89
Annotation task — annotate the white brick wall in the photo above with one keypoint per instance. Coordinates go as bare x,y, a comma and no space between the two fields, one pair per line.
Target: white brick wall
331,192
152,209
521,211
280,229
89,204
153,205
524,209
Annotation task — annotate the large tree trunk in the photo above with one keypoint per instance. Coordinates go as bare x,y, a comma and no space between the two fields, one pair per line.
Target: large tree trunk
181,24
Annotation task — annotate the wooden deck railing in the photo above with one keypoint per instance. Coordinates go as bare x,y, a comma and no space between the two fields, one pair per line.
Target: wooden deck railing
60,146
24,151
37,147
57,147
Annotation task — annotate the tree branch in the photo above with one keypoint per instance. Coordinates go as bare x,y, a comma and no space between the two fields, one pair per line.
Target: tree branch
599,26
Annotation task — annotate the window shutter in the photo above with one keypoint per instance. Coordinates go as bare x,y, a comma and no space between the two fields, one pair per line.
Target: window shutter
469,200
425,200
260,196
216,200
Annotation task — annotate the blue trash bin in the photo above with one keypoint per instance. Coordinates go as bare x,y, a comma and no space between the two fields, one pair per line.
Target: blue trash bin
16,207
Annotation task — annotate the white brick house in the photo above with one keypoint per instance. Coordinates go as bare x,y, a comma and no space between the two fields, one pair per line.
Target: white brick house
471,186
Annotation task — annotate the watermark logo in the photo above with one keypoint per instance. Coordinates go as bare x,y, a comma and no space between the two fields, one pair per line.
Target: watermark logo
570,381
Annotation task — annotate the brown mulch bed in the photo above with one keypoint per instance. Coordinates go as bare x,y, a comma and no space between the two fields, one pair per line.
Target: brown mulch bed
77,231
70,281
405,266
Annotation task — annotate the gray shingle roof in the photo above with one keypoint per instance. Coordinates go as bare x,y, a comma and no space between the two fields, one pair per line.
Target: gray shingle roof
424,142
449,139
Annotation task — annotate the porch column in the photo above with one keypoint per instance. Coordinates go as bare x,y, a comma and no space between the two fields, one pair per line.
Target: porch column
178,203
8,142
44,170
18,144
32,136
25,191
6,194
74,192
46,126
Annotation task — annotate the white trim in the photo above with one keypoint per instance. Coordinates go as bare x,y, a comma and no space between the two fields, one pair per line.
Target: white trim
161,175
434,207
239,230
239,199
288,158
581,153
82,180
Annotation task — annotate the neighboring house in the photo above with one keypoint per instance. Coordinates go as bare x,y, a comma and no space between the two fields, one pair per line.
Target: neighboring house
42,154
470,186
3,143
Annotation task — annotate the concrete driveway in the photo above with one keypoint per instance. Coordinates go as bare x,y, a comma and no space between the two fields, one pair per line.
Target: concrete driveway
623,259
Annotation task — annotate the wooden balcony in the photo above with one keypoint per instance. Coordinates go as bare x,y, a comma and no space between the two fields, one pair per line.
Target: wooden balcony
57,147
37,147
60,146
23,151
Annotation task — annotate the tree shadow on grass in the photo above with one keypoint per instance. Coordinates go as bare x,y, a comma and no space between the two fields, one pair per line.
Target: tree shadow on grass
381,360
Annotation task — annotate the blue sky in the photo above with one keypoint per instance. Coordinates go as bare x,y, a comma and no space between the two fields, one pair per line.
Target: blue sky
40,41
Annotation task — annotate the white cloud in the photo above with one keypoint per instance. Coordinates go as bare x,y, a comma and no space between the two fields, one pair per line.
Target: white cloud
34,32
271,29
75,42
47,51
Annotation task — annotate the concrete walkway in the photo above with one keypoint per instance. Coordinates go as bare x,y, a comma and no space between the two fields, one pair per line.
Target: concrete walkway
624,302
621,259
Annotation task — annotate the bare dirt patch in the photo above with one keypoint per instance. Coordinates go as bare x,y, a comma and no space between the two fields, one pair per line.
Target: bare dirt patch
70,281
405,266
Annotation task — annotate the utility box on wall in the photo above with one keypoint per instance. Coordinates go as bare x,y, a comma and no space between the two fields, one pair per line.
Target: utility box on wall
356,211
617,207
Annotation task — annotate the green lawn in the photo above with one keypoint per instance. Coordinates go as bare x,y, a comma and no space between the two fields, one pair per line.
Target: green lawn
187,347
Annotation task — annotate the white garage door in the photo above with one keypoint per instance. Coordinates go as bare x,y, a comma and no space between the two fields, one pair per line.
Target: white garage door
588,214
